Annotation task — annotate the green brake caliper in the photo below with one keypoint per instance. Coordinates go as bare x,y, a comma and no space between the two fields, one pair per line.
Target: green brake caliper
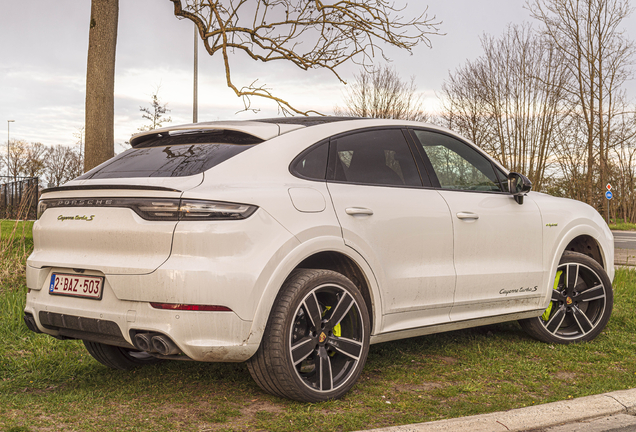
337,330
546,314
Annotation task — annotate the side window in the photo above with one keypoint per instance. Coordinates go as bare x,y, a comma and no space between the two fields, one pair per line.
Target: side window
456,164
377,157
312,164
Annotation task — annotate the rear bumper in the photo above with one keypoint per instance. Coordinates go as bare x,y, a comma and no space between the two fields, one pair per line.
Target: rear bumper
201,336
228,264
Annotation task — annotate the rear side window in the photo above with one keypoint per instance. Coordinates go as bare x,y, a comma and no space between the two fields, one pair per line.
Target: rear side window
377,157
312,164
179,155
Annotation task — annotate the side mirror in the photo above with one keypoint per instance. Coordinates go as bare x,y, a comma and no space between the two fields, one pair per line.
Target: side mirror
518,185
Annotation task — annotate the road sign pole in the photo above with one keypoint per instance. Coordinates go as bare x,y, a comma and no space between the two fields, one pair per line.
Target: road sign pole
608,195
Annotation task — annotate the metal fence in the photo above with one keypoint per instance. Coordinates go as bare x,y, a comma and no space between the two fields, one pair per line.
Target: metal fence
19,198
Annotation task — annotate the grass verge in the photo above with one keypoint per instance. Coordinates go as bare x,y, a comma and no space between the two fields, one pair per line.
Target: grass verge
620,225
16,243
46,384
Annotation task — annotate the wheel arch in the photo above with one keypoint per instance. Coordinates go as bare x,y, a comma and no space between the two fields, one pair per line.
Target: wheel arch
587,245
319,253
586,240
341,263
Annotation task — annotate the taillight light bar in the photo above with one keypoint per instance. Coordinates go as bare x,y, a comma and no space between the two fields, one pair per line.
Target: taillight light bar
190,307
160,209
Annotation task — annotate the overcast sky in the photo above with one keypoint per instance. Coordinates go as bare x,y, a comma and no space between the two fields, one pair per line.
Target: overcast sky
43,65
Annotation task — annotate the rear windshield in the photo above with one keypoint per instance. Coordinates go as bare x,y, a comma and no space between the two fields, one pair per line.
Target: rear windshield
178,155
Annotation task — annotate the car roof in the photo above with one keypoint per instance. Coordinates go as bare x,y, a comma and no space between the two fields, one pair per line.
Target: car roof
268,128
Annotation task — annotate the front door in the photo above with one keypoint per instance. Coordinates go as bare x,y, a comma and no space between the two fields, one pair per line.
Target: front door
497,242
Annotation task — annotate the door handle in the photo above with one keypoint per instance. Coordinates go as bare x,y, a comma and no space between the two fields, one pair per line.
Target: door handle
353,211
467,215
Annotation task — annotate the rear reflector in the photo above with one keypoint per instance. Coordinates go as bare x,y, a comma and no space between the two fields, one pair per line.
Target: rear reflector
208,308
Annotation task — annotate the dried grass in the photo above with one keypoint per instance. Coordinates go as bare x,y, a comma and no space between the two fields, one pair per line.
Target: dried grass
16,243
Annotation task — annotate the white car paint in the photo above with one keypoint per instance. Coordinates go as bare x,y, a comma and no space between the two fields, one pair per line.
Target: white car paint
498,255
450,277
408,240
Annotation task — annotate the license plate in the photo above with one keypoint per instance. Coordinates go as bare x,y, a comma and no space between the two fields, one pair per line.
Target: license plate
76,285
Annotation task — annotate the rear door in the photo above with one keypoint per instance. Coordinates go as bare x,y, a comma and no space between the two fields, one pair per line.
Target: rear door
399,225
497,242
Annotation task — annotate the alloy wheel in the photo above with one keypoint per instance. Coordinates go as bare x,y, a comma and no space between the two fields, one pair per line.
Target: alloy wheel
578,302
326,338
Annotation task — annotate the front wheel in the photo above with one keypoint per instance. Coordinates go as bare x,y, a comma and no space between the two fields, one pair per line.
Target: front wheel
316,340
581,305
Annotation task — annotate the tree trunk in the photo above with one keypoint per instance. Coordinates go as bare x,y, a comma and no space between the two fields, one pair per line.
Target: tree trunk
100,83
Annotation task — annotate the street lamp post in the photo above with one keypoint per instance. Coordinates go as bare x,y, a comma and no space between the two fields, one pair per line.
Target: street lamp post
8,141
195,96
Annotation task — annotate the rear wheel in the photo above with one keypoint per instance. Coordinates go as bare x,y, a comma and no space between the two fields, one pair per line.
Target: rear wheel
316,340
120,358
582,301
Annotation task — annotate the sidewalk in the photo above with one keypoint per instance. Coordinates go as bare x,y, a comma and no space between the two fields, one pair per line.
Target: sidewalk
568,415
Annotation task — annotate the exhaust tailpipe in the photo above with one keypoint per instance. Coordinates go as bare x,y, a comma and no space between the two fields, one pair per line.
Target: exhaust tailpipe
164,346
144,342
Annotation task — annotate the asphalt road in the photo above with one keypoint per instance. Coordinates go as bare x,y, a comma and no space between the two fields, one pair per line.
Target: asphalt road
624,239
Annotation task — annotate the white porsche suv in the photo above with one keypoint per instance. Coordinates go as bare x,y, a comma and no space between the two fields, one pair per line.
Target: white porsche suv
294,243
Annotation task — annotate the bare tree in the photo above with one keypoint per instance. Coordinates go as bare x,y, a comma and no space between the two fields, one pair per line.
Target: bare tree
63,164
310,34
56,164
79,135
100,82
26,160
622,166
155,113
307,33
381,93
510,100
35,160
16,158
597,56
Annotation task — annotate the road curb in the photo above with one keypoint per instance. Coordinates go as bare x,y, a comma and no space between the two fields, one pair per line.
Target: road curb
533,417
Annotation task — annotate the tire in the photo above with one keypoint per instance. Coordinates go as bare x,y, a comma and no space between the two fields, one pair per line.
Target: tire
120,358
581,305
316,340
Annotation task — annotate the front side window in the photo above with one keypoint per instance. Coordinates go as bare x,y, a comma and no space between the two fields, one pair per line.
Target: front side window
377,157
456,164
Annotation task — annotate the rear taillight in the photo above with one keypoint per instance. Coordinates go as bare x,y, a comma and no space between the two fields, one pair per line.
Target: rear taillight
160,209
41,207
199,209
187,209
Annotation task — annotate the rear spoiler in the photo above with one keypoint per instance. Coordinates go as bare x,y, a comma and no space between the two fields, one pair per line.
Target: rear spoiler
108,187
